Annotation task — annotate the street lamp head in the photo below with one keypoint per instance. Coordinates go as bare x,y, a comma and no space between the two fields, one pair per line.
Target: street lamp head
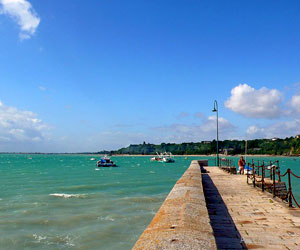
215,106
216,110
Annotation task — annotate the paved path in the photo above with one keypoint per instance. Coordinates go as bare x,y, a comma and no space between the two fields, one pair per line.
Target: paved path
243,217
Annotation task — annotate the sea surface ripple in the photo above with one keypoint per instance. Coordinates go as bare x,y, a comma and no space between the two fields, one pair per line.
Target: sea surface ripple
66,202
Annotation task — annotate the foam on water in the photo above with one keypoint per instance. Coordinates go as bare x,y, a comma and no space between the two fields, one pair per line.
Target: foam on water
69,195
54,241
106,218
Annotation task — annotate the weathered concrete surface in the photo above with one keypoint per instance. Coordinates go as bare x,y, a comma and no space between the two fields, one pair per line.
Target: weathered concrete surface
261,221
182,222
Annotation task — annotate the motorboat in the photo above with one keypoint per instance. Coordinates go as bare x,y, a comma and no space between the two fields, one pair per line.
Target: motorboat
105,161
168,157
158,157
165,157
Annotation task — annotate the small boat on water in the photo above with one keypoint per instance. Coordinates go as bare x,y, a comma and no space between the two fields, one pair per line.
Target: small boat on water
92,159
157,157
105,161
166,157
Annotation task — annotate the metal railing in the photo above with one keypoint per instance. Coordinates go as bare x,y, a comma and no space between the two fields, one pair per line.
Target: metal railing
290,192
227,165
268,177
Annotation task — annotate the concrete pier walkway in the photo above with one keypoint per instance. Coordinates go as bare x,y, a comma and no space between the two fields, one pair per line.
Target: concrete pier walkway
212,209
240,213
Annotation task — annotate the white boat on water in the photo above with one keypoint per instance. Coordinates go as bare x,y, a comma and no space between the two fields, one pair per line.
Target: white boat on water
105,161
166,157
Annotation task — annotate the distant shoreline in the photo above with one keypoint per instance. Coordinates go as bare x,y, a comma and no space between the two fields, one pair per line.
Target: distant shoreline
138,155
220,156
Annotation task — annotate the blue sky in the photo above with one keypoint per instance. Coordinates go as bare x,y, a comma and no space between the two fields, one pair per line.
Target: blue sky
91,75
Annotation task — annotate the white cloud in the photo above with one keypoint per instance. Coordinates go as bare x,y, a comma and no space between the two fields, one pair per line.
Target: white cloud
193,133
22,12
17,126
295,103
105,140
199,115
211,124
255,103
255,132
279,129
42,88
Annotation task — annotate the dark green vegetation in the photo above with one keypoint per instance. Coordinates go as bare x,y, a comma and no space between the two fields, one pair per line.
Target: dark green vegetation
287,146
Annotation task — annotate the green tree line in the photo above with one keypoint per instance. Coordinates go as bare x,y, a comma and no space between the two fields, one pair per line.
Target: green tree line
287,146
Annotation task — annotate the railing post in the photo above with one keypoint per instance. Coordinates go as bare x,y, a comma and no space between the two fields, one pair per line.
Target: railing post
290,188
274,183
247,173
253,172
271,173
263,177
279,178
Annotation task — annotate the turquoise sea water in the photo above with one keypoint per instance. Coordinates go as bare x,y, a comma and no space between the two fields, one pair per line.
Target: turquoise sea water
65,202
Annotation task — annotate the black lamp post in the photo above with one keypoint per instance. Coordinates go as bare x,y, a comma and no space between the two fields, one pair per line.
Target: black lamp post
216,109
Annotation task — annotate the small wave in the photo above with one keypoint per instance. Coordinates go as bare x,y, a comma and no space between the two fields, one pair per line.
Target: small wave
59,240
97,169
69,195
106,218
151,172
39,238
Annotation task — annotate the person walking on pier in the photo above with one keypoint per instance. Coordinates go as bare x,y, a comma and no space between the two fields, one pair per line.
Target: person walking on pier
242,164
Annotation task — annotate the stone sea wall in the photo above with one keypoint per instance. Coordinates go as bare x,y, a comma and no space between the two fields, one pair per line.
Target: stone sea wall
182,222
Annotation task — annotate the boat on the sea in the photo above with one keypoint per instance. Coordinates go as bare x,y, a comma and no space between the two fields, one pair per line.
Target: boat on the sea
166,157
157,157
92,159
105,161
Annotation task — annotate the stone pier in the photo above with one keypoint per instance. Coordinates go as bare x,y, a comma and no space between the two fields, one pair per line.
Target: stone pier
216,210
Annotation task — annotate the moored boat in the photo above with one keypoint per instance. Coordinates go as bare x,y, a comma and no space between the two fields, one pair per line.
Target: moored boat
105,161
165,157
158,157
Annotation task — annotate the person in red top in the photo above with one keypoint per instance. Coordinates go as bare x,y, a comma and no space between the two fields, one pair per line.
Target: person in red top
242,164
